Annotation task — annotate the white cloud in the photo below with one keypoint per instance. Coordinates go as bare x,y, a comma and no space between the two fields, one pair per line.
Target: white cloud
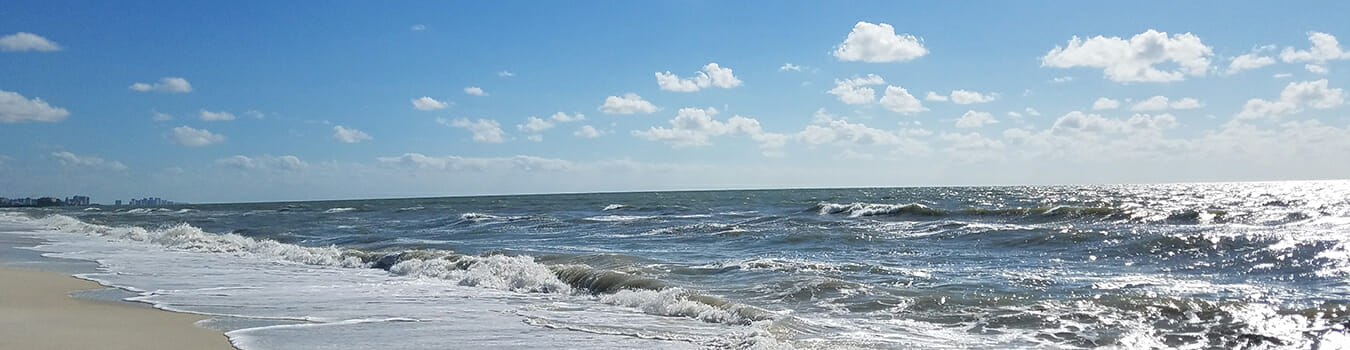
91,162
1248,62
474,90
854,90
564,118
255,114
346,135
506,74
878,43
1293,99
711,76
789,67
187,136
1281,75
159,117
1032,112
23,41
899,100
1105,103
264,162
456,163
535,126
1324,48
418,27
630,103
972,147
1155,103
963,97
827,129
1134,60
216,116
1014,114
172,85
1063,79
484,130
588,132
695,126
425,103
1186,103
973,119
14,108
1162,103
933,96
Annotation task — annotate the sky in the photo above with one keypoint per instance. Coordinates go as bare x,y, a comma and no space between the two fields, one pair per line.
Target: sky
267,101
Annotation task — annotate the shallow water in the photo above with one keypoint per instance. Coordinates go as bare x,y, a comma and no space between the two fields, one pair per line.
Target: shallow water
1181,266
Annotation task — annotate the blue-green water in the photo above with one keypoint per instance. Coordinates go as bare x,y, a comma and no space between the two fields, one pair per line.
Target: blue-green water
1180,266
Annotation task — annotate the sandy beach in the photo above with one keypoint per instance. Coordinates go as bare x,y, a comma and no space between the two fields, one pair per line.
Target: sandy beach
37,312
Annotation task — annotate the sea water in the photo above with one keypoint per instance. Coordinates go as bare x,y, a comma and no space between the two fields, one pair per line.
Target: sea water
1223,265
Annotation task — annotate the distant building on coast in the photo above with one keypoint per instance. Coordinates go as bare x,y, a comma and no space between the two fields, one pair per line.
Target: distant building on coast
150,201
44,201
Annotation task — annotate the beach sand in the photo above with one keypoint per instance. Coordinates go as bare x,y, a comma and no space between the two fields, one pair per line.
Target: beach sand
37,312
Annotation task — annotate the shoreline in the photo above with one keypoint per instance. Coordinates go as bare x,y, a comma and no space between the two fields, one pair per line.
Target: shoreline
38,311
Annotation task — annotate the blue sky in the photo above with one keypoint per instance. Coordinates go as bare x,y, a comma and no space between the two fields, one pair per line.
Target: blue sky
117,100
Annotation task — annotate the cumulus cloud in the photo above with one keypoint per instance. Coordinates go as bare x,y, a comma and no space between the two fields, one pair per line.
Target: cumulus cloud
1032,112
345,135
963,97
1162,103
23,41
171,85
474,90
1105,103
216,116
1063,79
712,75
264,162
855,90
1250,61
630,103
973,119
160,117
506,74
878,43
425,103
564,118
695,126
457,163
828,129
587,132
187,136
89,162
898,100
1324,48
535,126
789,67
14,108
484,130
1293,99
1136,59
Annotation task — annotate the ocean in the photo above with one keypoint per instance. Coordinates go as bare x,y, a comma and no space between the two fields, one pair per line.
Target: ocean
1214,265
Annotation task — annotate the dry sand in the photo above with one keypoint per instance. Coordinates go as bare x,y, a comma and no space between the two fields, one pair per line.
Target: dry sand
37,312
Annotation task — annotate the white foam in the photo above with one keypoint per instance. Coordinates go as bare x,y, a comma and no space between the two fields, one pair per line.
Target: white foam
338,210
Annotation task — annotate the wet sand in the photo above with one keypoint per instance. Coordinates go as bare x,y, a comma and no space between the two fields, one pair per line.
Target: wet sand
37,312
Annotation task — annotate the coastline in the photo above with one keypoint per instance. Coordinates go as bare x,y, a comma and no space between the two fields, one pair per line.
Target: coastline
37,311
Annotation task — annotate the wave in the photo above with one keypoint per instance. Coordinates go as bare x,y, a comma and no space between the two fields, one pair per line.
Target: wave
338,210
617,207
618,218
518,273
1183,216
